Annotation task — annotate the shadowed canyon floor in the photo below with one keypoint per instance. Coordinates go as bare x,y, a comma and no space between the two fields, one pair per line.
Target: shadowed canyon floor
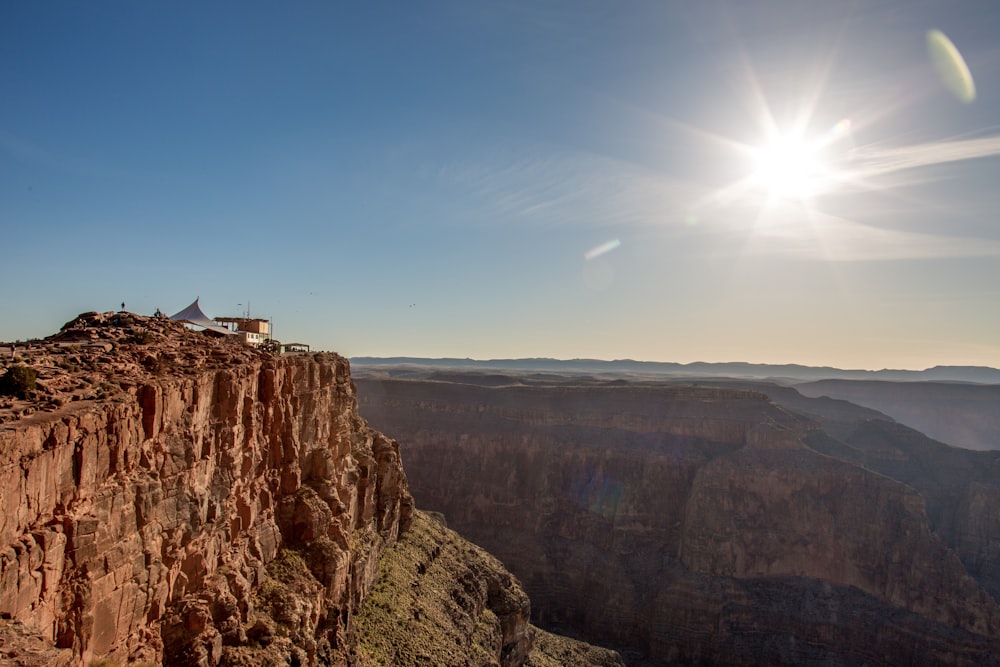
722,522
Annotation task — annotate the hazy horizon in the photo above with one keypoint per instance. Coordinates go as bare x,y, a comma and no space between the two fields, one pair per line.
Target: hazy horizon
569,360
771,182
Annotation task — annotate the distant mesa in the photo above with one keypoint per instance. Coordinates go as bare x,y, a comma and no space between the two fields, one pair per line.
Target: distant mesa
738,369
958,405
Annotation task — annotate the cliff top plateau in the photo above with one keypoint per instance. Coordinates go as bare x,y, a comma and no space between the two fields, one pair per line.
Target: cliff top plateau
98,355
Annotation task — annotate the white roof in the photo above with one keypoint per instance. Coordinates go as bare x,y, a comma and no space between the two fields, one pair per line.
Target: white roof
193,315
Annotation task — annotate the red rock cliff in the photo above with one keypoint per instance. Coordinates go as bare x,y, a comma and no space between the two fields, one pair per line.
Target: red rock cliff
157,474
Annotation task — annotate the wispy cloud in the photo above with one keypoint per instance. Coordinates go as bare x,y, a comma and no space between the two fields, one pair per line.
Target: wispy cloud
835,239
561,187
873,161
566,188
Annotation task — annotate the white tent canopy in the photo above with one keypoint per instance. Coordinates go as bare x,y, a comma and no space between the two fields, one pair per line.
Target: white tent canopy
193,315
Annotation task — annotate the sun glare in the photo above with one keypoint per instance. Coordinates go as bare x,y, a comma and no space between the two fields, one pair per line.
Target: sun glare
790,167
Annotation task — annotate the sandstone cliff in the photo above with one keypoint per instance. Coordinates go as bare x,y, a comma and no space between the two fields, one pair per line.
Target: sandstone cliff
149,489
712,526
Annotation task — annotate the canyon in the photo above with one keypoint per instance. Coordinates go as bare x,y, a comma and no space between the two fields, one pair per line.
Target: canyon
180,499
175,498
962,414
709,522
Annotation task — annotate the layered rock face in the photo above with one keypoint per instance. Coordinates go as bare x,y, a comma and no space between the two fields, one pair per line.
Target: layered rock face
710,525
964,415
160,482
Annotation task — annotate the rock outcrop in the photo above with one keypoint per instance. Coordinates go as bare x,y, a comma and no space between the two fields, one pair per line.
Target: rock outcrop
443,601
710,525
160,488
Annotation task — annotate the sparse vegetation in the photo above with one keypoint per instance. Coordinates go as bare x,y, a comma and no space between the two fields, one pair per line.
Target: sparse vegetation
284,594
556,651
288,567
140,337
422,609
428,606
19,381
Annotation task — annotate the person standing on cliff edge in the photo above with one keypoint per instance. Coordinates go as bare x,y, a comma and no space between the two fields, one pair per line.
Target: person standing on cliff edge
123,306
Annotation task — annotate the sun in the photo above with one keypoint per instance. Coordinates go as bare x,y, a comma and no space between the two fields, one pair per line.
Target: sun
790,167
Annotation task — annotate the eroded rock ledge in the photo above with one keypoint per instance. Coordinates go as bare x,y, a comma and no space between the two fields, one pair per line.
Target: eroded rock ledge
149,484
440,600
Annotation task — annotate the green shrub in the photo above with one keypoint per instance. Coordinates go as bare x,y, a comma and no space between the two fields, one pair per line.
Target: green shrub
18,381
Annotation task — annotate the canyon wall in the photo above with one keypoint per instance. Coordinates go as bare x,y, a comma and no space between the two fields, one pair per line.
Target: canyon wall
964,415
710,525
152,484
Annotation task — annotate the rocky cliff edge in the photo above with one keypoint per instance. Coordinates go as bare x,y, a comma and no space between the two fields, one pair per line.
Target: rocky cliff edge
158,484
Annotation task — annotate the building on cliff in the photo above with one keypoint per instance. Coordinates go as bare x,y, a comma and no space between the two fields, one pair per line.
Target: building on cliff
251,330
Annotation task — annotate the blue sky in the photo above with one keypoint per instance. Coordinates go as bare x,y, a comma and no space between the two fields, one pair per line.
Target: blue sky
438,178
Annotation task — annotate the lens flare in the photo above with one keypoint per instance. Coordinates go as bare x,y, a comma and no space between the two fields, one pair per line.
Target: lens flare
597,492
951,67
842,130
602,249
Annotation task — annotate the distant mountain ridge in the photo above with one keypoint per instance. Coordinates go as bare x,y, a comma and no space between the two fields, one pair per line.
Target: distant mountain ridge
961,414
792,372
